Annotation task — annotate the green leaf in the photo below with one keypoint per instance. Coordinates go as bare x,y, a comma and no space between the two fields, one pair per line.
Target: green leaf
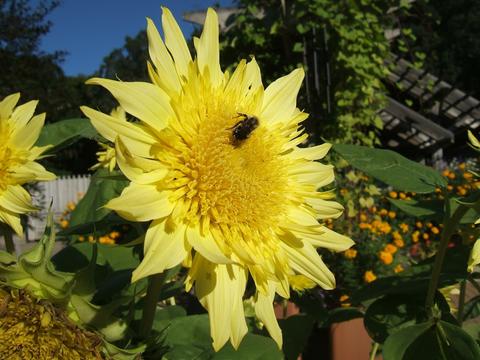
189,338
426,209
101,190
253,347
391,313
65,132
398,343
392,168
431,340
296,331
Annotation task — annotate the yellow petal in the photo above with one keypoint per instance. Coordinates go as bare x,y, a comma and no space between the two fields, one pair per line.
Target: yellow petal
474,258
23,113
323,237
16,199
133,169
175,42
206,245
325,209
136,137
264,311
280,98
301,216
145,101
31,171
141,203
26,136
8,104
164,248
306,261
311,153
313,173
168,78
208,53
220,289
11,219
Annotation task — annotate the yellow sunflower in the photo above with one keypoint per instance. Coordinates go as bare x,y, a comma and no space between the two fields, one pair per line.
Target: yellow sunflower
106,157
214,162
19,130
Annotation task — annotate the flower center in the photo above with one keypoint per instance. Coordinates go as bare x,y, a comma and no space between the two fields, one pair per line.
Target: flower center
224,178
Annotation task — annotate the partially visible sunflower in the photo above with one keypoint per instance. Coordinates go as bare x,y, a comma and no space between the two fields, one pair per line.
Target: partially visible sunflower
106,157
19,130
214,162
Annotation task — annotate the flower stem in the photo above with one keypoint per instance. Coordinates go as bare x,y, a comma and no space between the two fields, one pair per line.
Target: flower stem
9,244
373,352
155,283
449,227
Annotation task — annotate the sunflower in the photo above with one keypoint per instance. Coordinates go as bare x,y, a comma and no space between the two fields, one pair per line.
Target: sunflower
214,163
19,130
106,157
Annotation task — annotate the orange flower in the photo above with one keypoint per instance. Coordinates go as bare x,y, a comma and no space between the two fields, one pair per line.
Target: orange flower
350,253
383,212
461,166
64,224
416,236
425,236
435,230
369,276
343,300
419,224
451,176
446,172
392,214
386,257
403,227
402,195
398,268
390,248
393,194
399,243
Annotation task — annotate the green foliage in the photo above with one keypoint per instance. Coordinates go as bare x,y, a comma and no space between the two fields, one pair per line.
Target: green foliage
431,340
342,46
392,168
64,133
102,189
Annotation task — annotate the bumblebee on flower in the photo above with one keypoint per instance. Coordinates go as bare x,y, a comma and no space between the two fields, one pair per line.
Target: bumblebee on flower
229,196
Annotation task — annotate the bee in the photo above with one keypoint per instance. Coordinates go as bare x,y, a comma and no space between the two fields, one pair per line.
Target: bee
243,128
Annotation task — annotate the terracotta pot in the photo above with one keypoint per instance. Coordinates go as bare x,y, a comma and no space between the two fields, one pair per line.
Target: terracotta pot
350,341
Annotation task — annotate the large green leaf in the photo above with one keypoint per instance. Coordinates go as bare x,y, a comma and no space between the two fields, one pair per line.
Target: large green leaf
392,168
189,338
391,313
101,190
431,340
296,331
425,209
65,132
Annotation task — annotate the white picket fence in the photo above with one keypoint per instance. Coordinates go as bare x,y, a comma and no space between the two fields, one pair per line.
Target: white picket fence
58,193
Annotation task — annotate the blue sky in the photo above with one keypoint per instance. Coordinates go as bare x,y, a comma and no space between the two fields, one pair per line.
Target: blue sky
90,29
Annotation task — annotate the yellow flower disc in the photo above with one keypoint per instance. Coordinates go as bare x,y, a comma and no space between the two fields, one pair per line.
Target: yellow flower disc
214,162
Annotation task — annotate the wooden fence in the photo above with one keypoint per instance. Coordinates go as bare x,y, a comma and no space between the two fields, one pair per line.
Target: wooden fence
59,193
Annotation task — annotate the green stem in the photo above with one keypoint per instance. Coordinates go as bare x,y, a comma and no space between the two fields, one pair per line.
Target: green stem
449,227
461,302
373,352
155,283
9,244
